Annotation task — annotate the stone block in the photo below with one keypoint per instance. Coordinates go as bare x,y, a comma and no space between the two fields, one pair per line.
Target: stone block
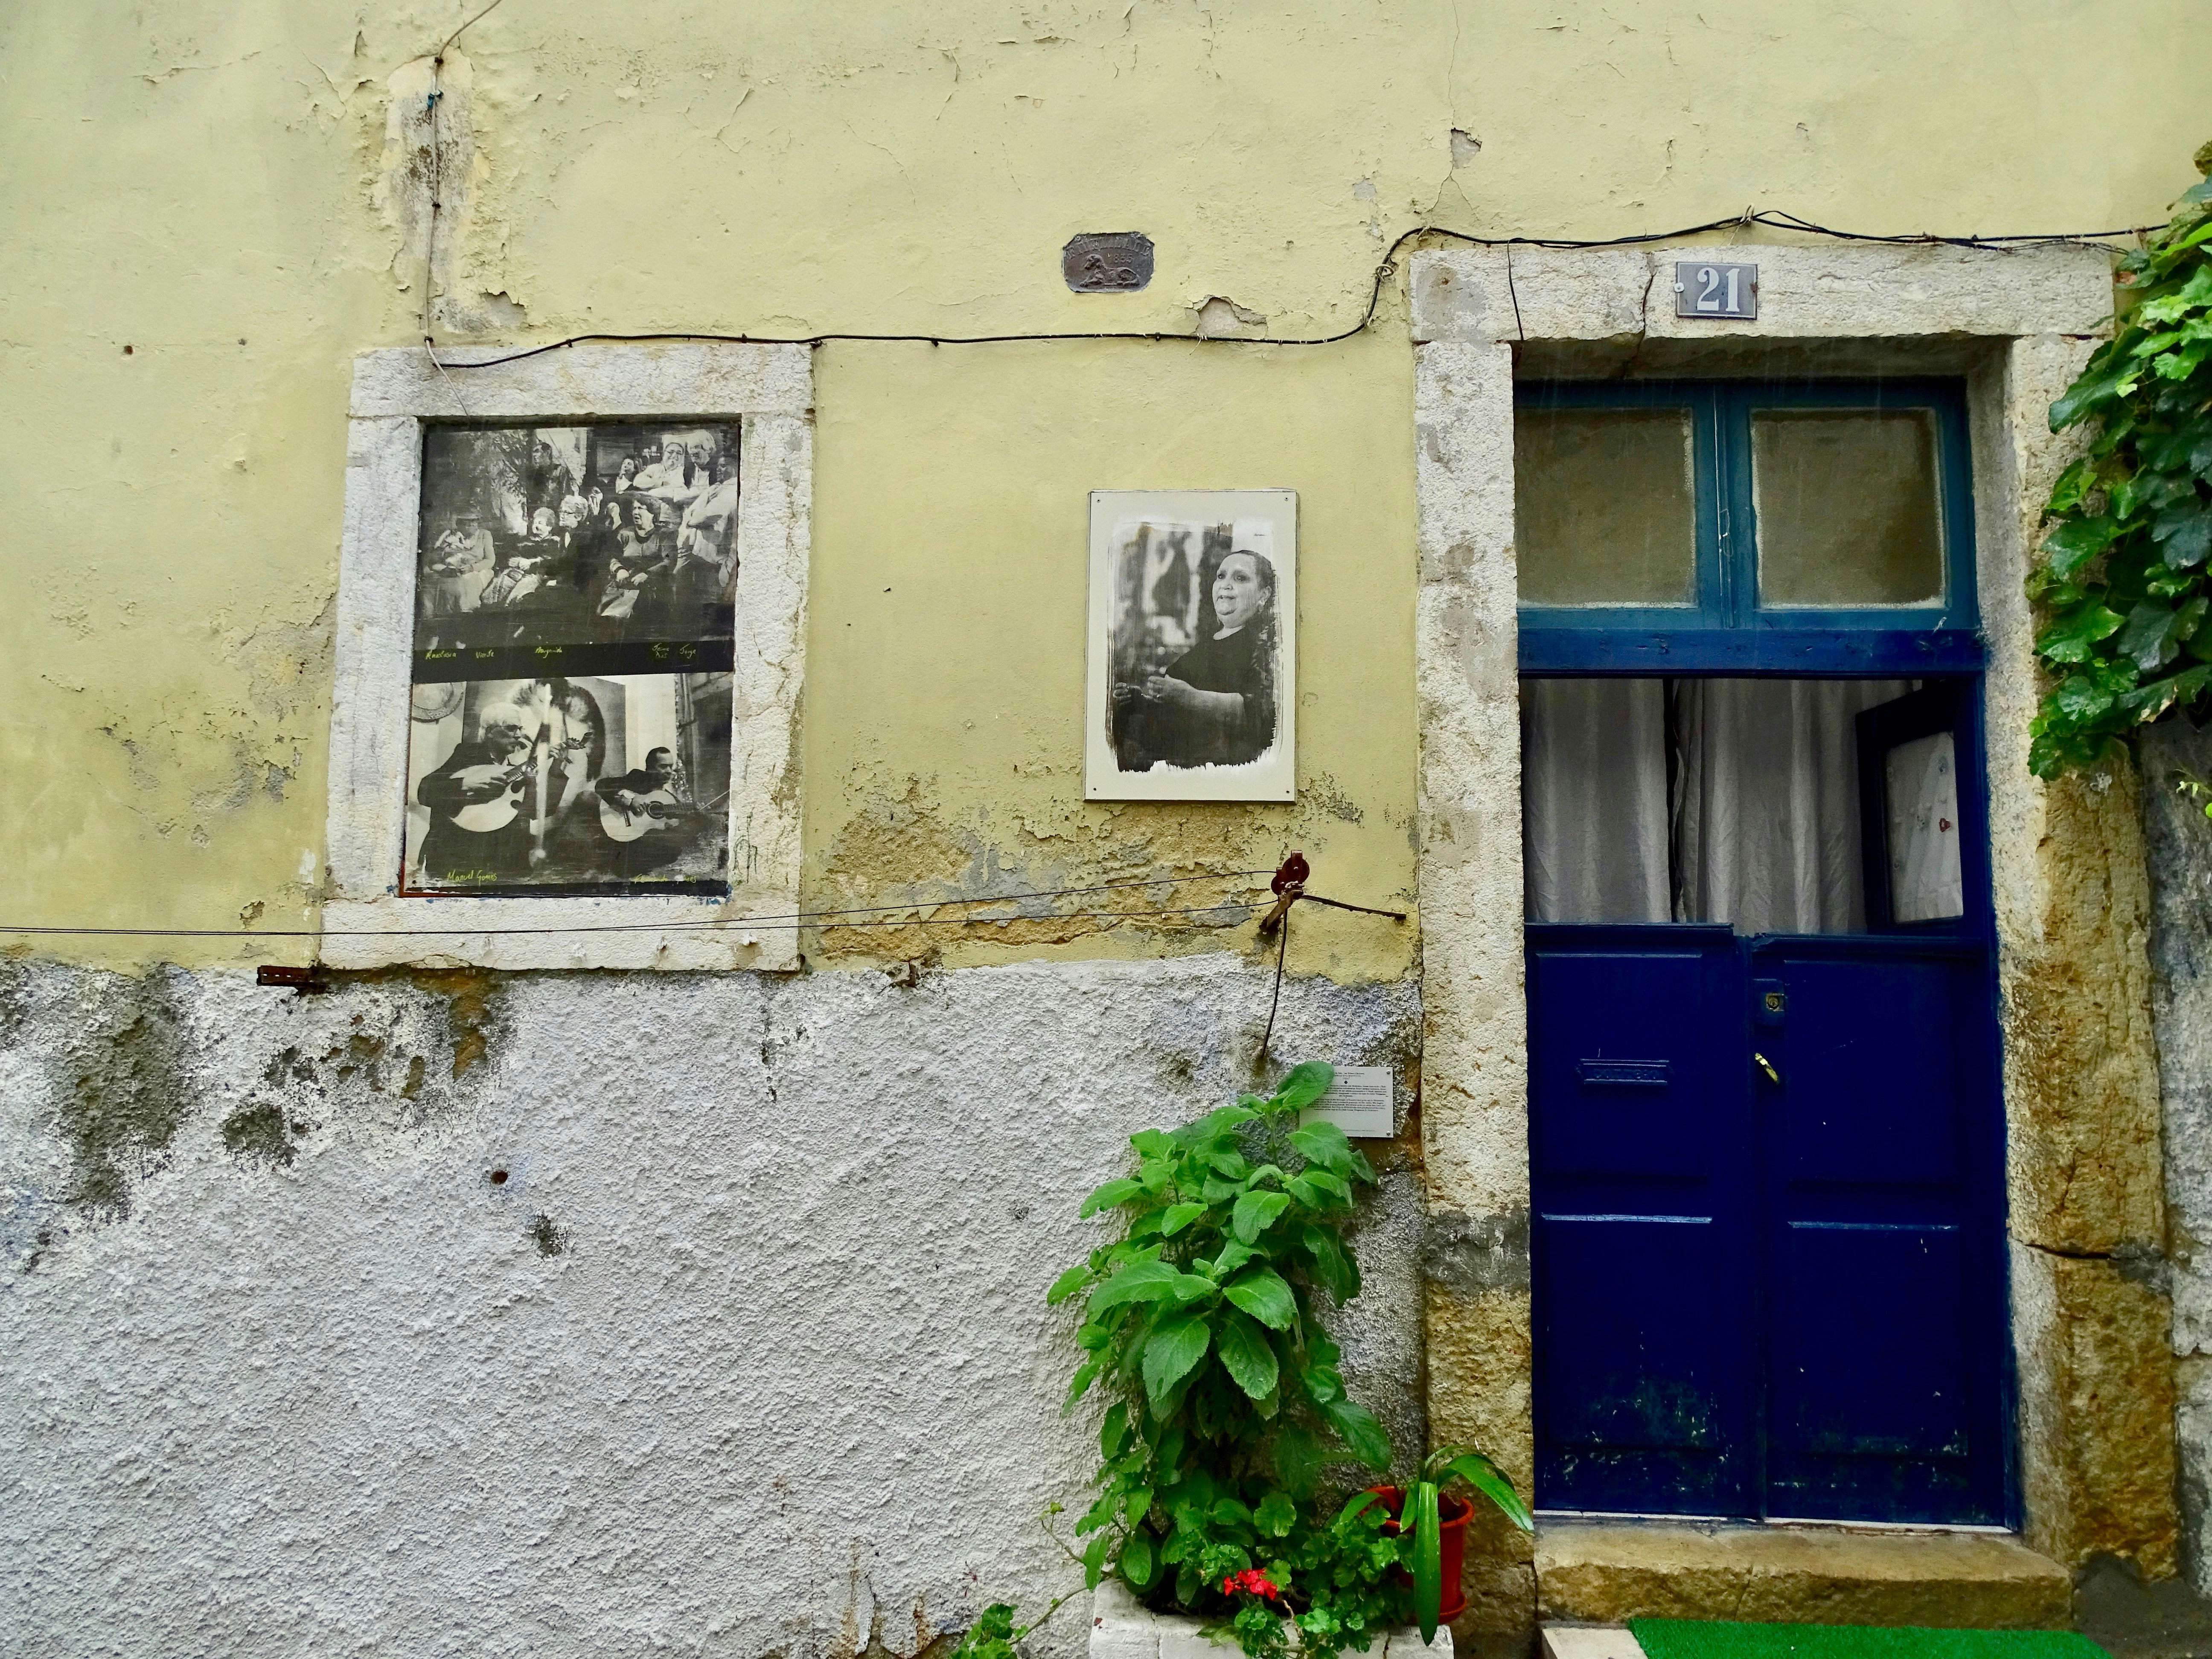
1123,1628
1119,1626
1407,1644
1820,291
1611,1572
2097,1412
1590,1642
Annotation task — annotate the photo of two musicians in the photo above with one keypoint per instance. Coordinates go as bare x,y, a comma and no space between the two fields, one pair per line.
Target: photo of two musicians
572,698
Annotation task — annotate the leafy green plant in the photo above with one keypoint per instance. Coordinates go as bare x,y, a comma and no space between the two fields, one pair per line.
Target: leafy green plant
992,1636
2123,577
1228,1407
1198,1317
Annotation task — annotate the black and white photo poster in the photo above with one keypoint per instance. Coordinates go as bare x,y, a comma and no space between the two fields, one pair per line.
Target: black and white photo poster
572,682
1194,610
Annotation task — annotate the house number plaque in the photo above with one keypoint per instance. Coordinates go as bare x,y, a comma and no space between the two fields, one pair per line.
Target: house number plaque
1716,291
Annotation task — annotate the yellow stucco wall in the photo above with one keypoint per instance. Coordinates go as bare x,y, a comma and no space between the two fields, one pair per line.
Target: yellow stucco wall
207,185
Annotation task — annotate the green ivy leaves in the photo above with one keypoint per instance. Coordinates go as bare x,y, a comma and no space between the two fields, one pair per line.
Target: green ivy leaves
2123,577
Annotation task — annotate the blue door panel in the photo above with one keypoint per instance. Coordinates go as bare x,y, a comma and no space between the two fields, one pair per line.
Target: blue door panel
1874,1062
1851,1377
1767,1242
1645,1368
1626,1372
1623,1053
1884,1295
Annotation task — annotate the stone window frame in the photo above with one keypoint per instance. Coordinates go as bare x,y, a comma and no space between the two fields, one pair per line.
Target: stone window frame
2017,326
366,922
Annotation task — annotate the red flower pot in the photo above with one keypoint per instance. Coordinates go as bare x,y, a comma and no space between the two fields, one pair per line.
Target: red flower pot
1452,1516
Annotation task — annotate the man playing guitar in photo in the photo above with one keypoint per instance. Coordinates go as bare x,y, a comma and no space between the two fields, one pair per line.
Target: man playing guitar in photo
643,818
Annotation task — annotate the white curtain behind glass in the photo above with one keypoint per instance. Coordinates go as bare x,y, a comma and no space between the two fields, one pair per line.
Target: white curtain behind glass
1768,802
1765,826
1594,794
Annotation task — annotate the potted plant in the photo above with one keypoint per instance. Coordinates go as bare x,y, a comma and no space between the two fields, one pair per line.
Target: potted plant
1199,1318
1435,1523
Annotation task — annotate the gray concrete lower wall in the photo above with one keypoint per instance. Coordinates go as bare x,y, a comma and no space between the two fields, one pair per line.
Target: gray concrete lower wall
586,1314
2177,844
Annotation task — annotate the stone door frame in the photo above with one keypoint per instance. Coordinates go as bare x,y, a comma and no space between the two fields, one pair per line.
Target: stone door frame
2091,1327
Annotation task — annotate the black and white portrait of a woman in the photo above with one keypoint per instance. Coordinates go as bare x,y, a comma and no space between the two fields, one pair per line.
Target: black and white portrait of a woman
1192,619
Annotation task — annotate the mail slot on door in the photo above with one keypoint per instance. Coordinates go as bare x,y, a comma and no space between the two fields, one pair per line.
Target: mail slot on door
1623,1073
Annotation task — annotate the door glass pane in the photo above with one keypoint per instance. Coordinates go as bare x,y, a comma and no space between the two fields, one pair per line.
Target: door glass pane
1847,507
1604,508
1593,800
1713,800
1920,778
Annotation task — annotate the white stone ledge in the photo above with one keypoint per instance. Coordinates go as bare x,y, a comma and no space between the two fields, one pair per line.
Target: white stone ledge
656,380
1121,1627
1846,291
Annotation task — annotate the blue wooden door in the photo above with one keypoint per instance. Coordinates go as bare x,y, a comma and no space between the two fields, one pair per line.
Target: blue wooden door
1767,1237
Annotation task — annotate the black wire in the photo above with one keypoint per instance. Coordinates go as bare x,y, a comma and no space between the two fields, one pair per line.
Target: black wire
1773,219
795,920
743,924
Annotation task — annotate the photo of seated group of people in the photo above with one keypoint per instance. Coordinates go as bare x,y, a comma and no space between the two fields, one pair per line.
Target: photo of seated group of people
605,784
576,534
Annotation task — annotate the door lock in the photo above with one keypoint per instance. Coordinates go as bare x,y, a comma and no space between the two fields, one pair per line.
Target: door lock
1768,1066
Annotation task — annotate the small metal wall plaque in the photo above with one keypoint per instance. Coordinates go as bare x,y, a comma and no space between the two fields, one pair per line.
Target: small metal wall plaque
1716,290
1108,262
1358,1103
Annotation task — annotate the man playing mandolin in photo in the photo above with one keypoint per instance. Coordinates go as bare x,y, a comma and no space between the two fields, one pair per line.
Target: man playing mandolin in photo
480,821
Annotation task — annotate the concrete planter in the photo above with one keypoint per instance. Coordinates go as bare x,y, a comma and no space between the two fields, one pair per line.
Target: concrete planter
1122,1628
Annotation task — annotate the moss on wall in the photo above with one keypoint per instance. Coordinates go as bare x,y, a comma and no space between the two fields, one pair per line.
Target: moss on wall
125,1096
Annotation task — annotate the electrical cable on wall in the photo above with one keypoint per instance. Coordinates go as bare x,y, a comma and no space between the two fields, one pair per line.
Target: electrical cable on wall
1772,219
1288,883
437,174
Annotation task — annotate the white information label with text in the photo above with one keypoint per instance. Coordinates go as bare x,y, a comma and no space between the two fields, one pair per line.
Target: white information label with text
1358,1103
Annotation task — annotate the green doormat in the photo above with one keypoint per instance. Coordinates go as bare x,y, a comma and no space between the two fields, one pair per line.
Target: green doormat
1692,1638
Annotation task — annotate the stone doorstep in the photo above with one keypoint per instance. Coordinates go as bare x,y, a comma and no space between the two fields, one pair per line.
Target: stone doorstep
1590,1642
1605,1572
1121,1627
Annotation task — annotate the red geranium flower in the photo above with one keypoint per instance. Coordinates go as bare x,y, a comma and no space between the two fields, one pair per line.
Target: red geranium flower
1251,1581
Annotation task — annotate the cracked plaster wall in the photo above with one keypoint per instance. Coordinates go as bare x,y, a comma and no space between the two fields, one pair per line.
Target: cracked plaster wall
746,1353
237,192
